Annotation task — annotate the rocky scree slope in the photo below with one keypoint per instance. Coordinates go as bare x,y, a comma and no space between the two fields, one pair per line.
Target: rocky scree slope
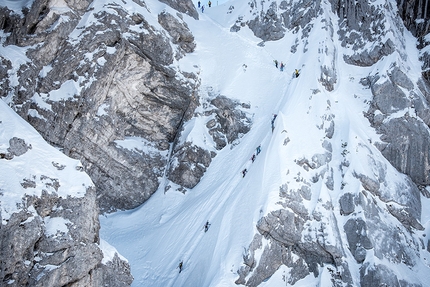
355,226
98,80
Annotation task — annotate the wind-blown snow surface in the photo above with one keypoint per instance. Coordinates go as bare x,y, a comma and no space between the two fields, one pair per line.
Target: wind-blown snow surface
168,228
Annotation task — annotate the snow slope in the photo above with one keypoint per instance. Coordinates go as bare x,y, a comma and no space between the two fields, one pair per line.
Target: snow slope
168,228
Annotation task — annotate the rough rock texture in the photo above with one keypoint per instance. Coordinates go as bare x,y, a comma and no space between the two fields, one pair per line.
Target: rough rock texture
38,257
226,122
49,225
186,7
270,21
380,215
179,32
103,90
416,16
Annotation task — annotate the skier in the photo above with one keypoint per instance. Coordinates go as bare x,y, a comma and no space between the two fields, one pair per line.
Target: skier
207,226
244,172
282,66
276,63
273,122
180,266
253,157
198,4
203,8
296,72
209,3
258,149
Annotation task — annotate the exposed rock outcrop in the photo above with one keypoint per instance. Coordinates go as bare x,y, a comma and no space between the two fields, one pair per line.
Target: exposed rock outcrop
103,90
298,238
49,234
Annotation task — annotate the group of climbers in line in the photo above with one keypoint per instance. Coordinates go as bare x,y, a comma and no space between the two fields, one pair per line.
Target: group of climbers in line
282,66
203,6
254,155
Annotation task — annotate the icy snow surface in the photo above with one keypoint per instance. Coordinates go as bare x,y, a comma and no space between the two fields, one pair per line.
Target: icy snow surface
168,228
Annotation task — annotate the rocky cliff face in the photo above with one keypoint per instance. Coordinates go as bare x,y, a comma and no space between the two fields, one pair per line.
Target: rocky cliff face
98,80
416,15
380,218
49,216
99,83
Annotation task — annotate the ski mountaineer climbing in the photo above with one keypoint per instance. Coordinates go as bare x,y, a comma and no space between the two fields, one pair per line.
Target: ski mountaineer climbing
282,66
244,172
207,226
253,158
273,122
276,63
198,4
203,8
209,4
180,266
296,73
258,149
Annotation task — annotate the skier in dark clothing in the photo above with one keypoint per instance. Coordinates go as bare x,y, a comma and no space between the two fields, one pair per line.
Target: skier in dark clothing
296,73
203,8
276,63
282,66
273,122
207,226
244,172
209,3
258,149
180,266
198,4
253,157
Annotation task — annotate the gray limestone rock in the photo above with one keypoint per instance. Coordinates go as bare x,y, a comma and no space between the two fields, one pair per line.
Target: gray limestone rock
356,233
377,275
179,32
123,91
408,148
400,79
283,226
368,58
405,217
268,25
114,273
188,165
184,6
17,146
230,123
346,203
389,98
42,254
